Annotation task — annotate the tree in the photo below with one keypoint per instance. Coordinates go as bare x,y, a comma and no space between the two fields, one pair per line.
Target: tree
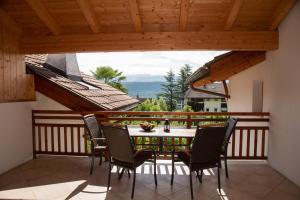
169,90
182,87
110,76
152,105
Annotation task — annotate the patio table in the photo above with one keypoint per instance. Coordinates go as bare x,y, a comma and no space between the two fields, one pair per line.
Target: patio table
135,131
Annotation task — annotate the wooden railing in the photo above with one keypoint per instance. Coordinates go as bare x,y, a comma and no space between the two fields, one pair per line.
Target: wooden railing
63,133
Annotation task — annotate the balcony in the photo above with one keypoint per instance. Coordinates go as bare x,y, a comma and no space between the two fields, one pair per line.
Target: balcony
67,177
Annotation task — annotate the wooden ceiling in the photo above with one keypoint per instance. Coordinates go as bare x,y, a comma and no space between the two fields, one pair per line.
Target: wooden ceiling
121,25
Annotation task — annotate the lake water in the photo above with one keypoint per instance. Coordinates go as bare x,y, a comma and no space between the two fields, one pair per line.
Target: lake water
143,89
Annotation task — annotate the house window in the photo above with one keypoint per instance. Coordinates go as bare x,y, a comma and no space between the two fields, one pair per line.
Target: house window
216,109
207,109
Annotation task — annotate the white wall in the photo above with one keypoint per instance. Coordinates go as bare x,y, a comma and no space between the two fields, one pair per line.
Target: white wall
45,103
16,126
15,134
281,78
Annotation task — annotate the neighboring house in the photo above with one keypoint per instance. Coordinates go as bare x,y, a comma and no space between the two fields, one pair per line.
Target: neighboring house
57,76
206,102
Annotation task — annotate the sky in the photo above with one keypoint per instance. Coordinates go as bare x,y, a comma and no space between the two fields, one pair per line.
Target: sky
149,62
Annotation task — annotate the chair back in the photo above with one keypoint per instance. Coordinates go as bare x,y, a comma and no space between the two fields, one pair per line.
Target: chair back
119,144
231,123
207,145
92,126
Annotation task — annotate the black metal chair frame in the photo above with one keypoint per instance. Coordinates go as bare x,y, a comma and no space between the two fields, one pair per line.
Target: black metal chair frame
192,168
96,149
229,131
129,166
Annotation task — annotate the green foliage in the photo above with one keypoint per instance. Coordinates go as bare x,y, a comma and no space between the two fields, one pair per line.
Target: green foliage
110,76
152,105
181,86
187,108
169,91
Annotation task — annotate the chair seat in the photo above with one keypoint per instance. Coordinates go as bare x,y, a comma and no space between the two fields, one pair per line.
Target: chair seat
141,156
185,157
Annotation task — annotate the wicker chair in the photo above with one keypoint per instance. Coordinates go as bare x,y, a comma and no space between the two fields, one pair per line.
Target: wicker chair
205,153
122,153
98,143
231,123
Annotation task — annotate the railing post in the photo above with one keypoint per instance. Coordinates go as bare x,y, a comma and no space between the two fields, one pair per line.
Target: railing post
189,122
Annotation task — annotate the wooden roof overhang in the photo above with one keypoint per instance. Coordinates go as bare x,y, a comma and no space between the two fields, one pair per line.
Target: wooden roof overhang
52,26
222,67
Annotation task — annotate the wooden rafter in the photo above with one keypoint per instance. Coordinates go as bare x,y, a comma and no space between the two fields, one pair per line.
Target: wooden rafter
43,13
233,13
282,10
9,22
89,15
216,40
135,15
184,12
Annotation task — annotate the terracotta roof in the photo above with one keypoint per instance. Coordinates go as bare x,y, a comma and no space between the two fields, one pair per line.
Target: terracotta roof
102,95
214,87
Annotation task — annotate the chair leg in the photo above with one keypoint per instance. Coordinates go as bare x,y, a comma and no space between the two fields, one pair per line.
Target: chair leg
128,172
109,174
219,182
191,185
92,163
172,175
121,174
133,184
155,178
225,162
201,174
100,161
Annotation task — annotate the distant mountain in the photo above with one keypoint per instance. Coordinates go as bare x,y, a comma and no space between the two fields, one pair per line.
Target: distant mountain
144,78
143,89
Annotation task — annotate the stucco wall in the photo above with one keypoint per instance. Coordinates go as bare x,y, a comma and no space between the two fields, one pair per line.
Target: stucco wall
45,103
281,81
15,134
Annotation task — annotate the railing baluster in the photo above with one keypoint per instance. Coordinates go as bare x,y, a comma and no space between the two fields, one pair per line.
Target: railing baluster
241,143
248,142
255,143
58,138
40,138
65,139
233,144
78,140
46,138
72,140
85,141
52,139
263,143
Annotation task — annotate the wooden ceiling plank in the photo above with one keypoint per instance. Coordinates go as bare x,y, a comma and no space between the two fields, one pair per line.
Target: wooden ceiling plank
135,15
43,13
184,12
9,22
282,10
89,15
208,40
233,13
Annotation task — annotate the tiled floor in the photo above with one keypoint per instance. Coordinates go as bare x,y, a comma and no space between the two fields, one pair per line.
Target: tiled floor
67,178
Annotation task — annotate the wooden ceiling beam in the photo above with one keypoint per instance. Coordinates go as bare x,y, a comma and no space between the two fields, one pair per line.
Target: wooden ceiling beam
203,40
184,12
233,13
89,15
282,10
135,15
43,13
10,23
